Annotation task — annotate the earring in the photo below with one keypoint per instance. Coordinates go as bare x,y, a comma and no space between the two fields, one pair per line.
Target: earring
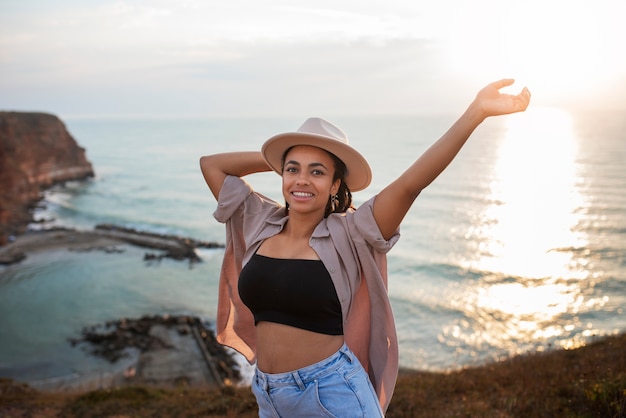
334,201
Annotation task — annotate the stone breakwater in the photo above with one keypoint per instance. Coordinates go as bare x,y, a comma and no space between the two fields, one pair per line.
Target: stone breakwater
175,247
36,152
164,348
104,237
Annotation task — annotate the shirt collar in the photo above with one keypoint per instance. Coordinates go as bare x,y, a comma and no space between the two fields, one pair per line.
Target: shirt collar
320,231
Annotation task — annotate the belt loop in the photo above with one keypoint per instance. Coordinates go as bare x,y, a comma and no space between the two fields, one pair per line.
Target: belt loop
296,377
349,354
262,380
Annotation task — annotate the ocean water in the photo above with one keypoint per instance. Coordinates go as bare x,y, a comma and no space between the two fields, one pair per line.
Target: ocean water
519,246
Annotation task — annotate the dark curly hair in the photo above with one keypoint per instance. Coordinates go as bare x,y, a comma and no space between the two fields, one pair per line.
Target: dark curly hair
343,198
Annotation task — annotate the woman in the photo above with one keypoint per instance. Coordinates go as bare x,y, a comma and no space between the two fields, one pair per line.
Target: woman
303,287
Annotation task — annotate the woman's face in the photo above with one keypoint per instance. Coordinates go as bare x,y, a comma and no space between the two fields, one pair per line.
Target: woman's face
308,179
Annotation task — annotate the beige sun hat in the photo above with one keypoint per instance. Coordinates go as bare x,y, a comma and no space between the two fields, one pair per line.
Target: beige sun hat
320,133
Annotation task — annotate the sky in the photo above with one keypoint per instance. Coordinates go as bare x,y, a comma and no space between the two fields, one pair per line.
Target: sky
189,58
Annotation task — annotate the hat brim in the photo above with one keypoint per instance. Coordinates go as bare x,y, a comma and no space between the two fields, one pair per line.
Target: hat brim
359,173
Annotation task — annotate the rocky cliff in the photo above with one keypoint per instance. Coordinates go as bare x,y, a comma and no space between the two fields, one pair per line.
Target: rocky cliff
36,151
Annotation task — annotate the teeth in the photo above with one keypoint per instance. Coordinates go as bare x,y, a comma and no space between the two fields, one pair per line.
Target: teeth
302,194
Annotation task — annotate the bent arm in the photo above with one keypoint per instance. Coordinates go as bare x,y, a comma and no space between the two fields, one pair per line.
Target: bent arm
216,167
394,201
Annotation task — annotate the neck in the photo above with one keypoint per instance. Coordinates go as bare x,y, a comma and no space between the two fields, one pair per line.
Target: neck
299,227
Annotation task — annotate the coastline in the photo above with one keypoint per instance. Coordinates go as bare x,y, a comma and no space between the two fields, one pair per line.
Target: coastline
583,382
103,237
159,349
540,384
154,350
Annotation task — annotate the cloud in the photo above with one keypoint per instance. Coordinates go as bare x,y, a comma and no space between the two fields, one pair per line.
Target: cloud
259,78
240,57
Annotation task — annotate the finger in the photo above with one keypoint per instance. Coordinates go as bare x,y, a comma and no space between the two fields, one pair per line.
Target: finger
503,83
523,99
525,94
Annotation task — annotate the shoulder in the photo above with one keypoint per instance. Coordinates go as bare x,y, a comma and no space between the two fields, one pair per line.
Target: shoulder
237,195
360,225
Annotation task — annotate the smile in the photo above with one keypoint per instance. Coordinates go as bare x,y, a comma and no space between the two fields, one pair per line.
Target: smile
302,194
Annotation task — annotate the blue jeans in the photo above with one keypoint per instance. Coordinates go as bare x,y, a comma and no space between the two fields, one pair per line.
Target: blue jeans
337,386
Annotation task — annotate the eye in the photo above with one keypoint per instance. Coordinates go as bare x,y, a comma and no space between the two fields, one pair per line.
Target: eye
290,169
318,173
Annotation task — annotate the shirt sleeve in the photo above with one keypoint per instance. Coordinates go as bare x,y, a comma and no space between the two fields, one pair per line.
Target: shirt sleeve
367,227
233,194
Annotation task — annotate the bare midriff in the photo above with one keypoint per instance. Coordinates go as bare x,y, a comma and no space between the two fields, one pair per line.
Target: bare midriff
282,348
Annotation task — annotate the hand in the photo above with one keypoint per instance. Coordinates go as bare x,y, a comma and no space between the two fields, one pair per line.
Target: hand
493,103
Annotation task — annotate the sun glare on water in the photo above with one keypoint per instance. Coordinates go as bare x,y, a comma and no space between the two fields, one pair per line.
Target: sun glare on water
534,284
534,199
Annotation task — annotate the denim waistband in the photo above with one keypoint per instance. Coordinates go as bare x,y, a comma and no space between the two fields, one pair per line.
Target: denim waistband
305,375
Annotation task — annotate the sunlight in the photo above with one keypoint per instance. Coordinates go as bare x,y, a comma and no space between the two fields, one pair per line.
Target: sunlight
510,316
554,55
534,199
559,49
527,241
545,301
524,311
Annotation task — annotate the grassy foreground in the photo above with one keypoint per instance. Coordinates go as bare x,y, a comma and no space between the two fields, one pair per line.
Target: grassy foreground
586,382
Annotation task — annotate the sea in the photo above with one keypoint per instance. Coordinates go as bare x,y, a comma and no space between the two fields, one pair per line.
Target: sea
518,247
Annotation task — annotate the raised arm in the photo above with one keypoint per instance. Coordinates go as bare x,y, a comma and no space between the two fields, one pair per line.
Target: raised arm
216,167
393,202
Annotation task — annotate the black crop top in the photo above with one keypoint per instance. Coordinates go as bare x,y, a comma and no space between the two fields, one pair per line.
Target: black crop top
294,292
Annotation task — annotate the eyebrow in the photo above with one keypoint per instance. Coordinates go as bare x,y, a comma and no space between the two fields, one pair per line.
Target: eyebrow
310,165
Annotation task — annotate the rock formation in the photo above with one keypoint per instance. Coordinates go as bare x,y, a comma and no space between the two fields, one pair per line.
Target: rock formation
36,151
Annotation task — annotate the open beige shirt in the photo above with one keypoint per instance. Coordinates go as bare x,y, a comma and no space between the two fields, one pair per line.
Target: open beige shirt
353,251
